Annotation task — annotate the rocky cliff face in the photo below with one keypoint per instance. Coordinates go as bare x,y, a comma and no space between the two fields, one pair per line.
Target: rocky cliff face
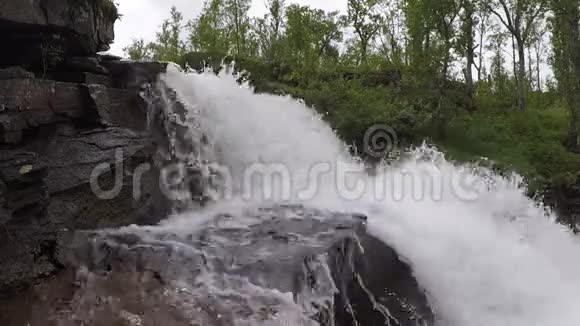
43,33
64,110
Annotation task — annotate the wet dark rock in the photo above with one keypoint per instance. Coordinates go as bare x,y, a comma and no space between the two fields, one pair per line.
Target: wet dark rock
273,266
43,31
29,103
16,73
84,64
46,188
566,203
107,57
117,107
52,137
375,286
25,195
26,104
81,77
128,74
60,119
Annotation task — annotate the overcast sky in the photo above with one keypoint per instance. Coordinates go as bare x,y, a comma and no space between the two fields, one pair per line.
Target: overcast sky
142,18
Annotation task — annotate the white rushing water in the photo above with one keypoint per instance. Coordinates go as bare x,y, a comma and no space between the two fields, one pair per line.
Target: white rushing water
484,252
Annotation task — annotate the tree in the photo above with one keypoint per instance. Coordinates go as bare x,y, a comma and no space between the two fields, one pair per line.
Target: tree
483,16
466,43
310,34
537,44
168,45
269,30
138,50
498,73
208,32
518,16
566,61
326,30
364,18
238,22
420,29
392,32
444,13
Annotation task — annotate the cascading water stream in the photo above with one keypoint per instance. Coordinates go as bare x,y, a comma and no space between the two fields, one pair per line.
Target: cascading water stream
485,253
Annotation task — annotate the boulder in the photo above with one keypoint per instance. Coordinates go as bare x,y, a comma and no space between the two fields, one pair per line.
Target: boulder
283,265
43,32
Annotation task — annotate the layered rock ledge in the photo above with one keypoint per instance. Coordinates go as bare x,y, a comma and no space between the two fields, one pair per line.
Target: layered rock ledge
64,111
43,33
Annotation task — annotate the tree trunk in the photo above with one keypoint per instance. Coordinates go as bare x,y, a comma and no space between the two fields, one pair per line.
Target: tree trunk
514,61
469,76
470,49
481,40
538,77
574,133
522,105
574,98
363,51
530,69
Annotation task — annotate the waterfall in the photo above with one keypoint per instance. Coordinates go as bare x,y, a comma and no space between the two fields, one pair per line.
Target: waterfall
485,253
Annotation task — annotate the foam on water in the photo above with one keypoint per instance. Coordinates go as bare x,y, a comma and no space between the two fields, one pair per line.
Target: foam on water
493,259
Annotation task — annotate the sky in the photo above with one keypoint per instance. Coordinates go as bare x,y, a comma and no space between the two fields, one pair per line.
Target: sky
142,18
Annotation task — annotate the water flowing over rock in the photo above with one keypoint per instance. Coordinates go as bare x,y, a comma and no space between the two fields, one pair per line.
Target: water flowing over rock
87,142
286,265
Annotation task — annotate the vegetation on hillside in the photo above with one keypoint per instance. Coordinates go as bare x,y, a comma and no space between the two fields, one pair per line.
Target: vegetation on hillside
467,74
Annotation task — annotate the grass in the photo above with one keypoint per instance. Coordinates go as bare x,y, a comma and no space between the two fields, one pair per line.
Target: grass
530,143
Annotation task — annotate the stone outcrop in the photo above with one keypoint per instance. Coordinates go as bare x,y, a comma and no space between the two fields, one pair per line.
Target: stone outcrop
64,116
566,203
43,33
53,137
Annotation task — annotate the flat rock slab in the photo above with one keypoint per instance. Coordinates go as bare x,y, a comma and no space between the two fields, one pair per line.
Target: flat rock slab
29,103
